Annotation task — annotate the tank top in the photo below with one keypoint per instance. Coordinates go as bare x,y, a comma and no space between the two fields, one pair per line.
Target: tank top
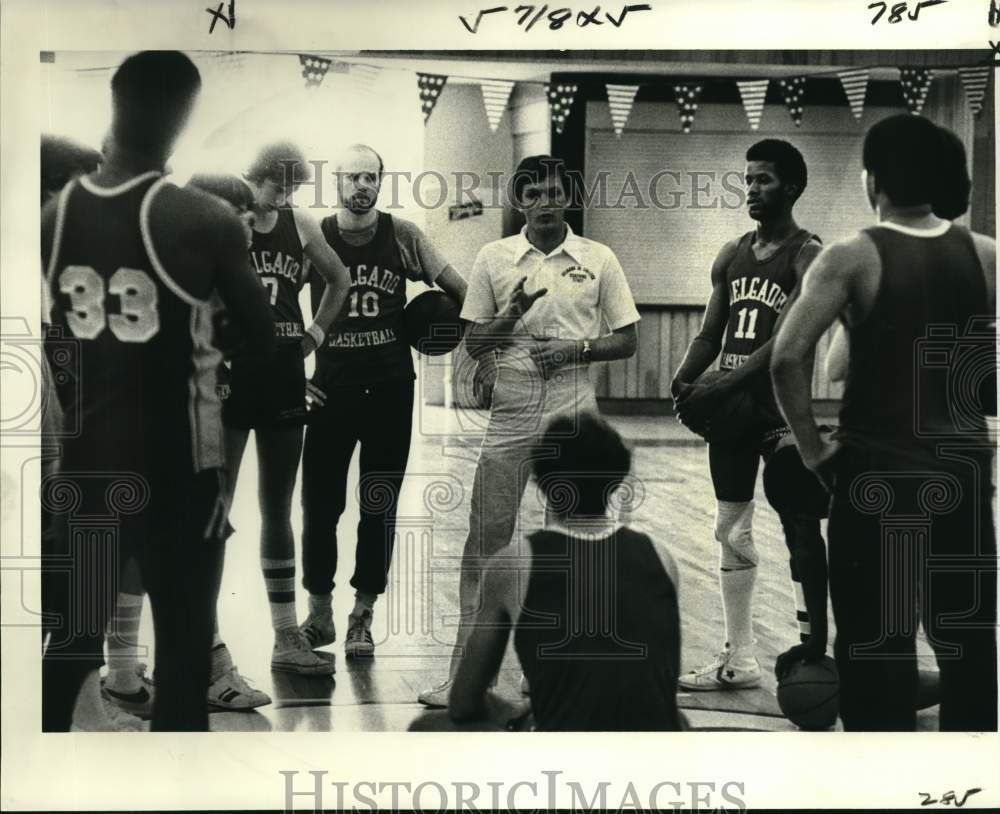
758,292
599,635
366,343
922,342
134,362
279,260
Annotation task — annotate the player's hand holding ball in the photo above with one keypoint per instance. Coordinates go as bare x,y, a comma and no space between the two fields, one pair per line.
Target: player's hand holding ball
807,653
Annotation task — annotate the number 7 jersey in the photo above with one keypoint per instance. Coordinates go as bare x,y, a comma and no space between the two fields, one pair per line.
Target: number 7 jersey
137,376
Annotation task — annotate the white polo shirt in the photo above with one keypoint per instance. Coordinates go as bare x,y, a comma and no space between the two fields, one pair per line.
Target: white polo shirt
585,282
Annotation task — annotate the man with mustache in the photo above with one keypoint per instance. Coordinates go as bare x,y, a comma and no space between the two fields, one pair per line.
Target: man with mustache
362,393
753,279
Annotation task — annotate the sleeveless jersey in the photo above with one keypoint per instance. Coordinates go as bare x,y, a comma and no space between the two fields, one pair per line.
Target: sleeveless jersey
279,260
366,343
137,378
599,635
758,292
910,355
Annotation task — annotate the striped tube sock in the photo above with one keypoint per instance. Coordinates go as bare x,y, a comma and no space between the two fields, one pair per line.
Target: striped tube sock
279,580
123,643
801,614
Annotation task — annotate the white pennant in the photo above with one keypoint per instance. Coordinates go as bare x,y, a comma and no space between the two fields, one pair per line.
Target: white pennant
855,85
620,101
496,93
974,80
753,93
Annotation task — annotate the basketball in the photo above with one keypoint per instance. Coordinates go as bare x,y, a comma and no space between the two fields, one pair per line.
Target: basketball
809,695
790,487
735,416
432,323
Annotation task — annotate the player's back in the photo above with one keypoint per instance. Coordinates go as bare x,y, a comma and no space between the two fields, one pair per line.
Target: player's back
139,390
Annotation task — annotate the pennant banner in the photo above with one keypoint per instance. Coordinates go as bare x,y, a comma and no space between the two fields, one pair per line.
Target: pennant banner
752,93
560,103
916,82
496,93
855,85
620,101
687,103
313,69
431,85
793,90
974,81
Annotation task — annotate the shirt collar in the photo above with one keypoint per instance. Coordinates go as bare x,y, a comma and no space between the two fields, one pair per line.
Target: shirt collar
571,245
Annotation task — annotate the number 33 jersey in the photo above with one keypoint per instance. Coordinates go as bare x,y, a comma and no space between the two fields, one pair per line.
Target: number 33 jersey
132,352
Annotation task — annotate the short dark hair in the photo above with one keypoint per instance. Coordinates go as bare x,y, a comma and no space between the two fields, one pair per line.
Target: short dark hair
788,162
367,148
152,93
62,160
535,169
281,162
228,187
590,461
902,152
951,198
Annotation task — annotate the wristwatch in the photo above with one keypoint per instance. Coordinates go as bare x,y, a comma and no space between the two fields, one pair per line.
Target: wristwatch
585,353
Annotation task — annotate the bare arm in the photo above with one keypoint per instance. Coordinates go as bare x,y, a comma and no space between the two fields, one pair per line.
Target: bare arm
452,283
334,273
483,337
707,344
826,292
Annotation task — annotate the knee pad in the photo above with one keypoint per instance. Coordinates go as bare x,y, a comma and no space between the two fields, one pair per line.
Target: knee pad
734,533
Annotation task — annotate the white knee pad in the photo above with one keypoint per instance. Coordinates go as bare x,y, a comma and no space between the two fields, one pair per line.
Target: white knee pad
734,532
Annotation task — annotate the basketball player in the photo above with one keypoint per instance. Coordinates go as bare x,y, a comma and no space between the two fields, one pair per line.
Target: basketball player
539,298
753,278
582,680
911,282
134,265
268,396
363,395
126,685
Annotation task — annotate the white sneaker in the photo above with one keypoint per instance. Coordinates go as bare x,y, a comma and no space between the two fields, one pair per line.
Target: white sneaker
231,691
292,654
731,669
436,697
319,630
139,702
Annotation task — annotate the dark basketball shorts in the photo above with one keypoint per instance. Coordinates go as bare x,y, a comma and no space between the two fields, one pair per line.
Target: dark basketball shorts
734,464
266,393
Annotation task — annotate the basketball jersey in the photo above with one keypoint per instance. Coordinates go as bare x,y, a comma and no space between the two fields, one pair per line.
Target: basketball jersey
908,358
279,260
758,292
366,344
599,635
138,384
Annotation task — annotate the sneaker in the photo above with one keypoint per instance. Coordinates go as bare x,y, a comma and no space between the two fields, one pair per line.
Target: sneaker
292,654
729,670
318,629
436,697
359,643
231,691
139,702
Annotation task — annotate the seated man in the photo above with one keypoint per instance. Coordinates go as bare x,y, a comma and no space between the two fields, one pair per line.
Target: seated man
596,623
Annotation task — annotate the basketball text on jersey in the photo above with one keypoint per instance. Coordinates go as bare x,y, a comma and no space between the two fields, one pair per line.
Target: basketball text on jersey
731,361
288,330
362,339
759,289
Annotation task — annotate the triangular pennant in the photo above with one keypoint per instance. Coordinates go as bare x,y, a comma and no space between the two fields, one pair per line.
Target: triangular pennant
620,101
792,90
855,84
496,93
916,82
313,69
974,80
364,77
560,103
687,103
431,85
753,93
